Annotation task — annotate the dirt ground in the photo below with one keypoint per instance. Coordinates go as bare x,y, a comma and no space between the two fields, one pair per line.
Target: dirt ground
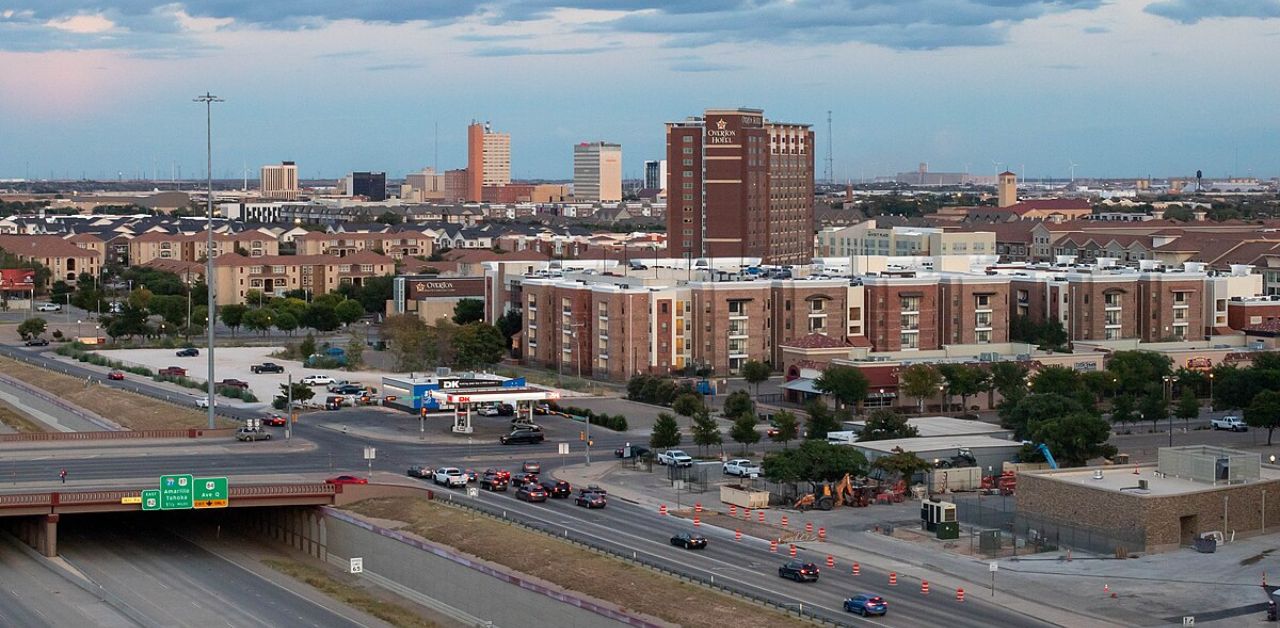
135,412
629,586
20,422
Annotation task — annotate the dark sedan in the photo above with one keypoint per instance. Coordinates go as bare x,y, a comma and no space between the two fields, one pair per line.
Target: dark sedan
189,352
689,540
633,451
799,571
493,482
557,488
532,493
420,471
590,500
522,437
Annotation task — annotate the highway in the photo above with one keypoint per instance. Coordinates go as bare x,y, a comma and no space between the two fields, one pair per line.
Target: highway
32,594
621,526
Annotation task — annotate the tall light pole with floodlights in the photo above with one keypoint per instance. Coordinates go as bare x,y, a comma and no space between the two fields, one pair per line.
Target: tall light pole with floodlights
208,100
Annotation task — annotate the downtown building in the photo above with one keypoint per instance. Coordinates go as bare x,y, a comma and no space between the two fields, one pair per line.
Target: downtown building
279,182
739,185
488,160
597,171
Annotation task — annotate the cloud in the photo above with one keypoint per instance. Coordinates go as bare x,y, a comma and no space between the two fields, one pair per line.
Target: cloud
1096,30
1192,11
384,67
703,66
525,51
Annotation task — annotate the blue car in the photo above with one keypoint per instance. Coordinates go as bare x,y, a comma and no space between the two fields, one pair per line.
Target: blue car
866,604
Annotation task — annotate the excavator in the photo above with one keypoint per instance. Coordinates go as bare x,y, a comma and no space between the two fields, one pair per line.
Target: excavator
827,495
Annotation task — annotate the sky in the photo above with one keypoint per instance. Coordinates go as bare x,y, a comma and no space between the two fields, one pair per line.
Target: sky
1121,88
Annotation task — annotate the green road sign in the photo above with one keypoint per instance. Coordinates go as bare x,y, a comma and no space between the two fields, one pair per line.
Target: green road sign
210,493
151,500
176,492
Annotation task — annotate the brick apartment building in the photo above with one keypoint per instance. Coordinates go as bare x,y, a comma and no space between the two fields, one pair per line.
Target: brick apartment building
65,260
394,244
191,247
275,275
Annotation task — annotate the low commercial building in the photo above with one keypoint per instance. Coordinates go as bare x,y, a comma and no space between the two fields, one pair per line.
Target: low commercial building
987,450
939,426
412,392
431,297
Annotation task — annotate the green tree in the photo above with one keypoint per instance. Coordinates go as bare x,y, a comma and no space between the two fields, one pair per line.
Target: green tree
887,425
477,345
687,404
821,420
355,353
511,324
411,341
786,427
232,315
1056,380
1074,439
755,373
258,320
320,316
846,384
1188,407
705,430
301,392
348,311
666,432
784,467
1264,412
964,381
1136,370
1009,379
467,311
308,346
1153,407
744,431
285,321
902,464
1019,416
375,292
32,328
921,381
1122,410
827,462
389,217
739,403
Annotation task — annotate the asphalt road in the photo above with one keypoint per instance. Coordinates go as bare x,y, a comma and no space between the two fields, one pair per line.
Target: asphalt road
32,595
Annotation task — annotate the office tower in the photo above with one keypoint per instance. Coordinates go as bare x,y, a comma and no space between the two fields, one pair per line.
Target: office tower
371,185
740,186
280,182
655,174
1008,189
597,171
488,159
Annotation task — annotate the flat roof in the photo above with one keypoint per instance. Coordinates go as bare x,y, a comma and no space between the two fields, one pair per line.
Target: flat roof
1121,479
935,426
938,443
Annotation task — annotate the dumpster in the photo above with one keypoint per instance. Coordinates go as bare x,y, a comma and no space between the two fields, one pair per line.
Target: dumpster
948,530
1206,545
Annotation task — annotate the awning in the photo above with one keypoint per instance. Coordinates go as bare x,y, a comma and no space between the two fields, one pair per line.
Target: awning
802,385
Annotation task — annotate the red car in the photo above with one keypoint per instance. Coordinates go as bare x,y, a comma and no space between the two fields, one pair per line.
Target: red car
275,420
346,479
115,376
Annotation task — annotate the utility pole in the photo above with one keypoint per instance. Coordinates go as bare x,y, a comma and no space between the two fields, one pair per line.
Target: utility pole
830,176
208,100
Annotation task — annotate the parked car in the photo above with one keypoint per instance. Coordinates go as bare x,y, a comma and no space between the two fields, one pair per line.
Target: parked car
799,571
348,389
189,352
48,307
522,437
420,471
494,482
532,493
1233,423
234,383
866,604
334,402
531,466
675,457
634,451
275,420
116,376
346,479
317,380
172,371
251,434
588,499
267,367
450,476
490,411
37,342
741,467
557,488
336,384
689,540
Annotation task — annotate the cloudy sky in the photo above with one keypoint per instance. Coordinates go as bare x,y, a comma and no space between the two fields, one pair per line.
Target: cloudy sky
1120,87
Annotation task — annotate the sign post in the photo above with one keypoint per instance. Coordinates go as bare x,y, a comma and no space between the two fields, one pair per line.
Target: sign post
993,567
369,454
357,565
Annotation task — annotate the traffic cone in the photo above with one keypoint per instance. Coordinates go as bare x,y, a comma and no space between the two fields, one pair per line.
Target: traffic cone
893,579
808,527
959,595
733,510
784,521
857,569
697,507
737,535
1135,469
773,545
760,516
1106,588
793,550
924,587
662,510
697,521
822,534
831,561
746,514
1068,555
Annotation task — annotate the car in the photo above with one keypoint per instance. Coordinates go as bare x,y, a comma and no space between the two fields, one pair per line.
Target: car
592,488
471,474
234,383
251,434
799,571
115,376
532,493
336,384
866,604
588,499
346,479
203,402
317,380
521,424
557,488
275,420
349,389
1232,423
631,451
522,437
675,457
741,467
48,307
420,471
689,540
501,473
172,371
531,466
38,342
266,367
450,476
189,352
521,479
490,411
494,482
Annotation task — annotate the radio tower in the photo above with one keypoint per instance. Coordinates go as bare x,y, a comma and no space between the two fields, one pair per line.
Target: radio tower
830,176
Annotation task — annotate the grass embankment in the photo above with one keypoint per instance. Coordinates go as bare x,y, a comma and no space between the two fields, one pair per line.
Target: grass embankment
354,597
629,586
130,410
19,421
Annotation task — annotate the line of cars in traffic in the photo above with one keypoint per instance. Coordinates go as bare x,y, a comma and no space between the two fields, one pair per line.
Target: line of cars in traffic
527,484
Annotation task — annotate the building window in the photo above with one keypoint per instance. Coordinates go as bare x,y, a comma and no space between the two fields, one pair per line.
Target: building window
1111,333
688,139
279,270
983,300
910,321
815,305
1180,297
687,150
1111,299
255,270
366,268
909,340
909,304
344,268
982,336
983,320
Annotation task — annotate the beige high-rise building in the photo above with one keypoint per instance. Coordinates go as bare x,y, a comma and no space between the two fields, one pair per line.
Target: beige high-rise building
280,181
488,159
597,171
1007,189
423,186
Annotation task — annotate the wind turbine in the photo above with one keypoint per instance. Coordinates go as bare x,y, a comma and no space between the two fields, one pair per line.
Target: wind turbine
1072,165
999,166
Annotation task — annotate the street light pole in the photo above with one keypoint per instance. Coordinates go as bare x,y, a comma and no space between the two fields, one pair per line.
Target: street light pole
208,99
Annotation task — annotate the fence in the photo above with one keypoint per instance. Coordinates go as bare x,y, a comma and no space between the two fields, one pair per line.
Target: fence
1046,535
987,511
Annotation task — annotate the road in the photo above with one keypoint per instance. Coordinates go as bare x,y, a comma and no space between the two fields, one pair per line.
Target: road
32,594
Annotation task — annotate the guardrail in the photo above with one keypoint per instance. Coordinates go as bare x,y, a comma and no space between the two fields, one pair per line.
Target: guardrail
44,396
190,432
61,498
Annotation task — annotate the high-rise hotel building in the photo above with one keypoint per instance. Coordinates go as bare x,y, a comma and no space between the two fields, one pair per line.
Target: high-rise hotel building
280,182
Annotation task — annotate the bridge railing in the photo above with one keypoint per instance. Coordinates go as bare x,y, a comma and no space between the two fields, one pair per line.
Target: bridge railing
191,432
80,498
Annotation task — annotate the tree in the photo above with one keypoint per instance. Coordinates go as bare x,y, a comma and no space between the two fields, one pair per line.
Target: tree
510,324
375,292
1153,407
744,431
1019,416
308,345
846,384
705,429
921,381
1136,370
965,381
903,464
478,345
349,311
1188,407
389,217
32,328
739,403
821,420
666,432
1264,412
468,310
785,427
1074,439
320,316
827,462
258,320
755,373
687,404
301,392
1009,379
285,321
411,341
887,425
232,315
1122,411
355,353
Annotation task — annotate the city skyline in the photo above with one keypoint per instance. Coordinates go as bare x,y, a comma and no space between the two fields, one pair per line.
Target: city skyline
1130,88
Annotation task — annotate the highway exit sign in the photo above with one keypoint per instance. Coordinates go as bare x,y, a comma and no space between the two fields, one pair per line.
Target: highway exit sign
210,493
151,500
176,492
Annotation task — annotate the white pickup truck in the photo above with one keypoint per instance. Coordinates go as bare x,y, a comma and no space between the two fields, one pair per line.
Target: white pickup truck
675,457
1233,423
450,476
